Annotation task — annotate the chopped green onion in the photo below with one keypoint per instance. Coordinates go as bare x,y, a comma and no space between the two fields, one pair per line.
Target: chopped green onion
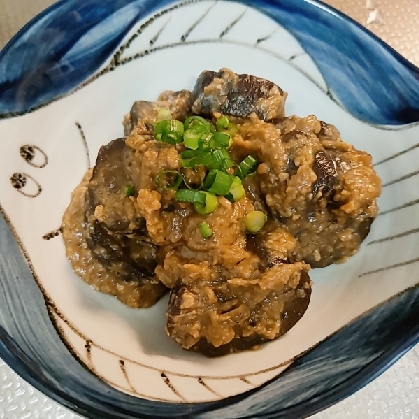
168,179
169,125
206,151
171,138
129,190
200,129
205,230
222,123
188,154
169,131
195,121
217,182
220,139
248,165
205,145
191,138
163,114
254,221
236,191
192,196
210,205
221,159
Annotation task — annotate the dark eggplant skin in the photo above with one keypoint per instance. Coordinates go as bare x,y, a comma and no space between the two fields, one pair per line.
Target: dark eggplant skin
188,306
118,241
107,189
325,169
237,95
130,258
116,234
140,110
296,302
145,112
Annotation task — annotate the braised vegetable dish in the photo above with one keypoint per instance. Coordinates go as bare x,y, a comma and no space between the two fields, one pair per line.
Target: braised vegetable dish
217,197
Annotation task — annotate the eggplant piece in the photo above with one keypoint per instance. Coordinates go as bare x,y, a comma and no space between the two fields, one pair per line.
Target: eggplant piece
129,258
270,251
246,311
237,95
326,241
114,264
251,186
126,259
325,169
106,198
267,259
328,132
178,103
140,110
116,234
364,228
187,316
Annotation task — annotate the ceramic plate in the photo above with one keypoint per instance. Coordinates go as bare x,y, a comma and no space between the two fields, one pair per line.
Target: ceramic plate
66,81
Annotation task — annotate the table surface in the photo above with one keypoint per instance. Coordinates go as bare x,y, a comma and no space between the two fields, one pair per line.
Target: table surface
393,395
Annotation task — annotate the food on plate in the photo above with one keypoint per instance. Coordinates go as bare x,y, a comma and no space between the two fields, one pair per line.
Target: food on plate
218,198
237,95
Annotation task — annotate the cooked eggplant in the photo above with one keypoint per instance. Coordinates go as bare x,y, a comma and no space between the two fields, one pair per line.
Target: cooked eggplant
325,169
108,200
112,263
237,95
117,235
175,211
140,110
247,316
178,105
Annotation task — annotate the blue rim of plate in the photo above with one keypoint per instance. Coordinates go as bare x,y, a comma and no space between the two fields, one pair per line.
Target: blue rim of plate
322,376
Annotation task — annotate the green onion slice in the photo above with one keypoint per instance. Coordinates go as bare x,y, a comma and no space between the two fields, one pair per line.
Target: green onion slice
218,182
210,205
168,179
221,159
191,158
191,138
192,196
171,138
169,131
247,166
196,121
205,230
222,123
129,190
220,139
188,154
168,125
236,191
254,221
207,151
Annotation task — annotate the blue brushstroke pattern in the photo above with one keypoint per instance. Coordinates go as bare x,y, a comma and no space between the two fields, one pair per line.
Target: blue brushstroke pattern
372,81
48,58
